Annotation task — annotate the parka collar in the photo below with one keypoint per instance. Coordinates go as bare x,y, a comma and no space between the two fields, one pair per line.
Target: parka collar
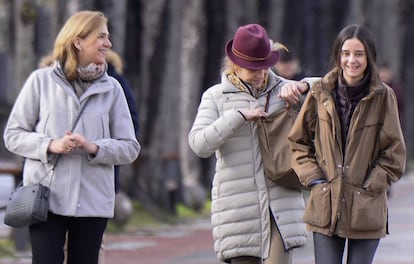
230,88
100,85
329,82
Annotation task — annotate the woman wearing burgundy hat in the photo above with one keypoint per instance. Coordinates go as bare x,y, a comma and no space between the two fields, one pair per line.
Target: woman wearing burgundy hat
254,220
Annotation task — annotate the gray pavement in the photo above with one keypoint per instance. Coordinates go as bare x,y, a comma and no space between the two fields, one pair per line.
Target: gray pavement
192,242
397,248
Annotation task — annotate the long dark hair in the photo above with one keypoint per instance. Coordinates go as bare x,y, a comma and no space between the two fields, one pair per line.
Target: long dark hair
363,34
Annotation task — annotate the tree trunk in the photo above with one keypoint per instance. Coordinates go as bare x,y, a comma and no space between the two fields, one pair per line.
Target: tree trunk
193,46
44,39
24,21
6,43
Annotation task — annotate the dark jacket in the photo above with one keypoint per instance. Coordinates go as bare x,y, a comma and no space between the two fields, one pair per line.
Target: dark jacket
352,203
132,109
128,94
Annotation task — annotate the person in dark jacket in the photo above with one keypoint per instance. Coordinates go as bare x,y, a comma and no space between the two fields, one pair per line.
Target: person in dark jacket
115,69
348,146
387,75
288,66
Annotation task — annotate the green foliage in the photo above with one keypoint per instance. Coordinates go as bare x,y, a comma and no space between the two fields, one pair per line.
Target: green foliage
6,248
139,219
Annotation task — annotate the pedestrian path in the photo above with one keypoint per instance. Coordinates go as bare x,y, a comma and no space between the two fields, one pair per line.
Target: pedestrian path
193,243
396,248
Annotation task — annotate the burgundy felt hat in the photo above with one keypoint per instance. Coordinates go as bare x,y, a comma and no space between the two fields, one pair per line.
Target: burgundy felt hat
250,48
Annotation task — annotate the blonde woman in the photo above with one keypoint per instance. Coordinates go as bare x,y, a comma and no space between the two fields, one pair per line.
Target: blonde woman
38,129
254,220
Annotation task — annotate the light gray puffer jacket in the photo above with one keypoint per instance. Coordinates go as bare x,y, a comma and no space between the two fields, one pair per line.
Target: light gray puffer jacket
241,194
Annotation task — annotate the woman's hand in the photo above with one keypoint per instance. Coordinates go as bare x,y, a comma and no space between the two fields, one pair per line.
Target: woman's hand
85,145
63,145
292,90
252,114
70,142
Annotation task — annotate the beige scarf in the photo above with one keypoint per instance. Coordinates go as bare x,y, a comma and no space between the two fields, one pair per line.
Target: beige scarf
87,74
91,71
237,82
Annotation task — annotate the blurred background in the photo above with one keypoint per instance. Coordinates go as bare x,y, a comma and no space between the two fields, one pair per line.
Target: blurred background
172,51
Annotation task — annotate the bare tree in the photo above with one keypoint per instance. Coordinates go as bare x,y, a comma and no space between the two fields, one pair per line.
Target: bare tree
193,48
6,41
24,18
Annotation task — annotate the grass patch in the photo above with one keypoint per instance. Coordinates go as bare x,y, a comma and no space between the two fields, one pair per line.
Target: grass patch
6,248
143,219
140,218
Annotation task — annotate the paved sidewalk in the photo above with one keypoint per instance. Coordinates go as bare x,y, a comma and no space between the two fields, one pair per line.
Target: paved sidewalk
192,243
396,248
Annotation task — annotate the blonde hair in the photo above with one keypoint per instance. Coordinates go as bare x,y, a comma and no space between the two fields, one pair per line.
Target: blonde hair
113,58
79,25
228,66
46,61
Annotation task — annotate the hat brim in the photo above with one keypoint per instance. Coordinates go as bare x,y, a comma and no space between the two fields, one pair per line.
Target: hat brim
251,65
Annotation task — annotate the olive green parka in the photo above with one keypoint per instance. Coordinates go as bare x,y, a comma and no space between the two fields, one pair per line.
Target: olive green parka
353,201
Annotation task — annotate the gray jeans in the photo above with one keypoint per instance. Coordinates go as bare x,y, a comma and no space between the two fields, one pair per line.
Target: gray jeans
330,250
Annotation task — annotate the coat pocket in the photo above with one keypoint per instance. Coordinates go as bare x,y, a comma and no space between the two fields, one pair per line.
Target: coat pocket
318,207
369,211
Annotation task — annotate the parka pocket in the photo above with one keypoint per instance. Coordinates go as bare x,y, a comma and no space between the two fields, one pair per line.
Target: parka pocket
318,208
369,210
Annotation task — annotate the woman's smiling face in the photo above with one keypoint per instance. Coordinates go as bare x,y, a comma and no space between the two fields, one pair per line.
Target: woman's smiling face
93,48
354,60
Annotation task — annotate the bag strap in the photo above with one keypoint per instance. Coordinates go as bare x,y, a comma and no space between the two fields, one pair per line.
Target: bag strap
267,101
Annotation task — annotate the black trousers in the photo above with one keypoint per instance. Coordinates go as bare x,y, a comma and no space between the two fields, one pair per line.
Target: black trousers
330,250
84,239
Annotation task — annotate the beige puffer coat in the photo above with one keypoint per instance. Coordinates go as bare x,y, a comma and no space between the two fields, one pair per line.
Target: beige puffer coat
241,194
